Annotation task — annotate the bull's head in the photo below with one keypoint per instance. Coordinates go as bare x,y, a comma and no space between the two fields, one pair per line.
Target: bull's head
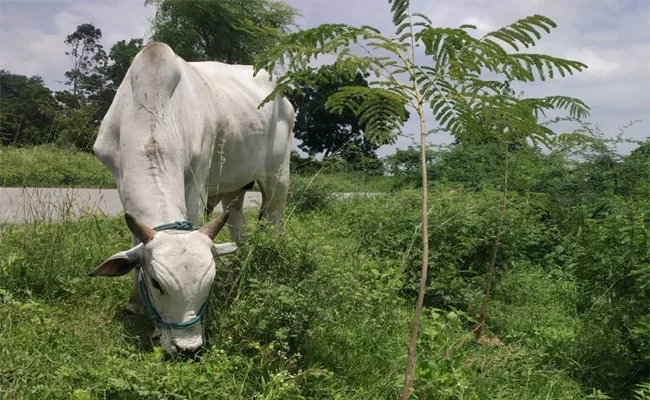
176,271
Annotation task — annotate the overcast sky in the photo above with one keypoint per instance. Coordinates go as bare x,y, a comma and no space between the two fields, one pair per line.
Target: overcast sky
611,36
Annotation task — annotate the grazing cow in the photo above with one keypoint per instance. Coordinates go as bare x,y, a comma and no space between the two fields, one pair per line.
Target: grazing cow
176,134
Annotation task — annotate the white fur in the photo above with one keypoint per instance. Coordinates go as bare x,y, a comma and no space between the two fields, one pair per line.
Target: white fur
180,136
183,265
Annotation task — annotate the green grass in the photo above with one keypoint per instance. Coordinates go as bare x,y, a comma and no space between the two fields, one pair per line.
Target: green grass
322,312
61,331
350,182
51,166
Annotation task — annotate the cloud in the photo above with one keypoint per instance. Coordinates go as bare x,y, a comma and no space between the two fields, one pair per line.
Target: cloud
611,36
32,43
118,20
30,51
483,25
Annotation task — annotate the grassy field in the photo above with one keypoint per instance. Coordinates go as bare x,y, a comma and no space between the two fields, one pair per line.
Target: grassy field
50,166
323,312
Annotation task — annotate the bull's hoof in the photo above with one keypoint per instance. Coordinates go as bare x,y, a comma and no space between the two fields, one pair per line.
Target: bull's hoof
157,333
134,309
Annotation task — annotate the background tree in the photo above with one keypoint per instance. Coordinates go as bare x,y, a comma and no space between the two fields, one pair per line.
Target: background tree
84,106
230,31
119,60
88,58
27,110
406,162
323,131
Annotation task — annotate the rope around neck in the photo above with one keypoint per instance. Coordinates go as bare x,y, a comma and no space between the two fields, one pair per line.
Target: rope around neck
178,225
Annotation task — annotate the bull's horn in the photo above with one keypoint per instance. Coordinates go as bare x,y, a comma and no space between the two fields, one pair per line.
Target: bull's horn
141,231
212,228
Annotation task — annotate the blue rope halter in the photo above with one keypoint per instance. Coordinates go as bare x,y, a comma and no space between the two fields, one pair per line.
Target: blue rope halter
144,292
178,225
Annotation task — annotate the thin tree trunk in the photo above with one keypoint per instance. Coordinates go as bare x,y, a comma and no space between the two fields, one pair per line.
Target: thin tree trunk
425,264
17,134
495,250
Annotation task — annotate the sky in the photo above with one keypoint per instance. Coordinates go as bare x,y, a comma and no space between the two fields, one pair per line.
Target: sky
611,36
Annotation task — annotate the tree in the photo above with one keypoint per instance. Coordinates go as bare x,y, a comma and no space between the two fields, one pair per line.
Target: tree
84,107
321,130
406,161
27,109
113,72
88,59
449,86
119,60
230,31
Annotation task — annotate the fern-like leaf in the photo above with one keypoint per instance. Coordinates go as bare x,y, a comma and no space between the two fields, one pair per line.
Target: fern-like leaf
520,66
577,108
462,103
519,32
380,111
298,49
399,9
422,16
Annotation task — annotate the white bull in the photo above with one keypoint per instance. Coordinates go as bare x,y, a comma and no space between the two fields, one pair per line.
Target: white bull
179,138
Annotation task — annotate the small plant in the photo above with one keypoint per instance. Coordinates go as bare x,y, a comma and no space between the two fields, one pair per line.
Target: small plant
450,87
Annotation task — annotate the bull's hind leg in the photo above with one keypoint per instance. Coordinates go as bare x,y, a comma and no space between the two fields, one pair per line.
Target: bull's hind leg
274,198
234,202
212,203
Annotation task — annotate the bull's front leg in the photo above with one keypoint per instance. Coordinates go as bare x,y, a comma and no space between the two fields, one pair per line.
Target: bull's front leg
135,305
196,201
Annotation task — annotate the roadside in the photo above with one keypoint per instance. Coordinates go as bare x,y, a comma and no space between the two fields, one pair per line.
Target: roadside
20,205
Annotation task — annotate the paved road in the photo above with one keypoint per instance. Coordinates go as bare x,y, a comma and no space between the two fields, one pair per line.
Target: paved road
19,205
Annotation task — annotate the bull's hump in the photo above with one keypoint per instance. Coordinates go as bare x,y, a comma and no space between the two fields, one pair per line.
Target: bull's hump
156,51
155,74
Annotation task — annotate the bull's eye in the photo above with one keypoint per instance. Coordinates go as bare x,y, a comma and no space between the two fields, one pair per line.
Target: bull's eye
157,285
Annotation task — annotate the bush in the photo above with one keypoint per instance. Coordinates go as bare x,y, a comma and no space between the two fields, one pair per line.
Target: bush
309,195
460,237
79,128
609,257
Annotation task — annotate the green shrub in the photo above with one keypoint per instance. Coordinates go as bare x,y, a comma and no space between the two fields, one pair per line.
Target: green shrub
461,236
535,307
309,195
609,258
79,127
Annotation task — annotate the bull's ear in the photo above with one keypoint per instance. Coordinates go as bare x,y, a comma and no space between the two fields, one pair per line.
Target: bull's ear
223,249
119,263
